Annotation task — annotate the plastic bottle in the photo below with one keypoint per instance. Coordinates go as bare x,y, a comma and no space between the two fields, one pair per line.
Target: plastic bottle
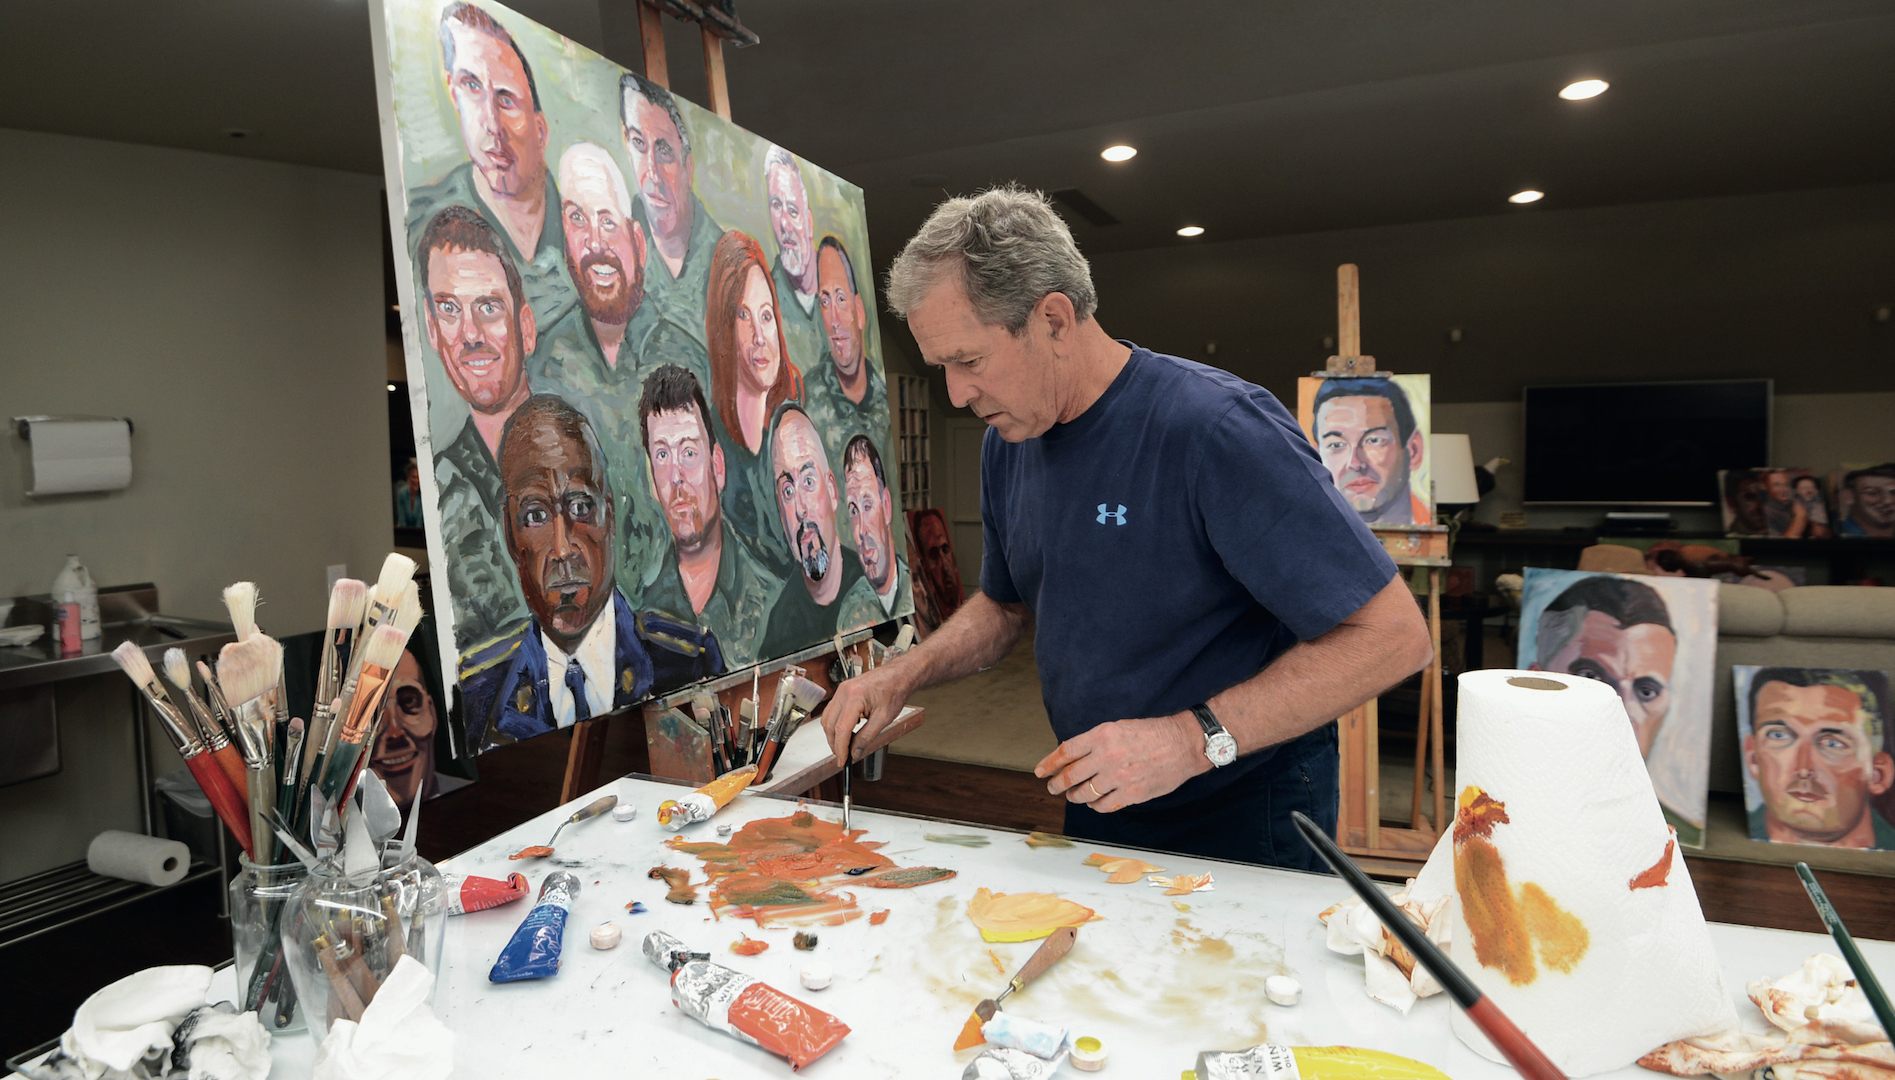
74,587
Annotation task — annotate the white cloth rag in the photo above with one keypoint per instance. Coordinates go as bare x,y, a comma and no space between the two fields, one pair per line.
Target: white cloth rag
398,1038
155,1023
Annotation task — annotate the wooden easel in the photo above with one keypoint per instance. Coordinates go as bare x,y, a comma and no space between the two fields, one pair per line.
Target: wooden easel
715,24
1390,852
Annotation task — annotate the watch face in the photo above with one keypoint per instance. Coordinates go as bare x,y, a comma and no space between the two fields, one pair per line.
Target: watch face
1221,749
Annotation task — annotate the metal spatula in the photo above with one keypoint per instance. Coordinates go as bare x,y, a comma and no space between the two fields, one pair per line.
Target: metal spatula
1056,945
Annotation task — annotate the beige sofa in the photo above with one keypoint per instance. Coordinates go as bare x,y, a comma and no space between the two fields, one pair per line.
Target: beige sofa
1842,626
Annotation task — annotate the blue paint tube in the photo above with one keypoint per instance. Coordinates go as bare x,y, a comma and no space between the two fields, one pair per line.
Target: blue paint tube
533,953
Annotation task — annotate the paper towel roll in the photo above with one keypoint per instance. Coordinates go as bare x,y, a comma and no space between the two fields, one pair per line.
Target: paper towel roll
80,455
134,857
1574,910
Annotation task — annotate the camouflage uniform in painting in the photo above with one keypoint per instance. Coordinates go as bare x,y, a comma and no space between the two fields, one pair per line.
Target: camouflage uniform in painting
504,681
682,298
862,606
839,419
739,604
802,326
570,363
481,576
749,500
549,290
797,621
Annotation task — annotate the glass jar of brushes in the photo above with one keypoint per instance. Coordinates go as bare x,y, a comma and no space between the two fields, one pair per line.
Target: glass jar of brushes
259,896
344,933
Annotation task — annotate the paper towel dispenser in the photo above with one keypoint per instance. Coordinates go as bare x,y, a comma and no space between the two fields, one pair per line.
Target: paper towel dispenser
74,454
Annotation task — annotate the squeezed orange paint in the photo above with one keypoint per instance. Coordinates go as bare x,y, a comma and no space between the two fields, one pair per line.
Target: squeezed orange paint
536,852
747,945
877,918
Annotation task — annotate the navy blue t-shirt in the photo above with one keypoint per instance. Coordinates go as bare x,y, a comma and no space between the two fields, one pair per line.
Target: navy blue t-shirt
1170,542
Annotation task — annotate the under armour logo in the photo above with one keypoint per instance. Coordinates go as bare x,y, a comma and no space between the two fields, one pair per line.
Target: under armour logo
1104,513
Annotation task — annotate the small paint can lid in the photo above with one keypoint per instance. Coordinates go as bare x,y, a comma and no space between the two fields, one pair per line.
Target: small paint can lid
607,936
624,812
1088,1053
817,974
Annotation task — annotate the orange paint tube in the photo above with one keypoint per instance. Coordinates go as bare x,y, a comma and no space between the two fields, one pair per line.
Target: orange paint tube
675,814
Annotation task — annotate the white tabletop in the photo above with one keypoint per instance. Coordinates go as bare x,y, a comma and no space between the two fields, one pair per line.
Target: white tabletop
1156,984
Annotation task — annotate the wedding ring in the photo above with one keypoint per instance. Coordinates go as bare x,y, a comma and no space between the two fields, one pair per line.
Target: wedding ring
1096,793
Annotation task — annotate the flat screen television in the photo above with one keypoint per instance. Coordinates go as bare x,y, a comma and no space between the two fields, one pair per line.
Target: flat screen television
1643,444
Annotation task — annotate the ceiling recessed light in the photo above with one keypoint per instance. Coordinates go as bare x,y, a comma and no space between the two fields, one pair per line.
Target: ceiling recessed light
1191,230
1119,153
1583,89
391,388
1527,196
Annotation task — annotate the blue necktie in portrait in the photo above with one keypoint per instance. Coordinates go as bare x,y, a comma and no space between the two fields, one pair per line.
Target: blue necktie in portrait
576,686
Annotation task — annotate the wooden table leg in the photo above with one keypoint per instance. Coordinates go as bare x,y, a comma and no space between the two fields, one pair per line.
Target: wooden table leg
583,759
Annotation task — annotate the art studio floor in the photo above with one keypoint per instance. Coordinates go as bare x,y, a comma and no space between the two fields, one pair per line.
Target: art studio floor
521,781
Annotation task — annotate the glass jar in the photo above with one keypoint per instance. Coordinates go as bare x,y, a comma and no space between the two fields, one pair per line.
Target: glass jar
344,933
258,897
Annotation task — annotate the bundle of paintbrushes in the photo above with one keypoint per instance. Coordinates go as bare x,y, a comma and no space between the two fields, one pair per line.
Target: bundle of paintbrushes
269,776
742,741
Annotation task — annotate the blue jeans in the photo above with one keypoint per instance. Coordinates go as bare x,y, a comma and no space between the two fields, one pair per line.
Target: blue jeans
1246,822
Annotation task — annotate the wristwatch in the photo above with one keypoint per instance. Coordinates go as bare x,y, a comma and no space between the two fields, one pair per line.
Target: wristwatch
1219,746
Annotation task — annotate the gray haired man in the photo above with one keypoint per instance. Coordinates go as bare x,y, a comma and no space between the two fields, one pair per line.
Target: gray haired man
794,229
1202,601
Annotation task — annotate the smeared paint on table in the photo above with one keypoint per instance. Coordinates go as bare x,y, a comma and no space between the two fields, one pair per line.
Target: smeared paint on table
1156,984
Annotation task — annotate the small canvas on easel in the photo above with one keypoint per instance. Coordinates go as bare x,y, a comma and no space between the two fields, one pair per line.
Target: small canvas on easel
1372,434
1654,641
1817,767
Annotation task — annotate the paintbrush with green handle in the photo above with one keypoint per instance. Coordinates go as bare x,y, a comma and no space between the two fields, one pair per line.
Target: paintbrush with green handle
1056,945
1865,978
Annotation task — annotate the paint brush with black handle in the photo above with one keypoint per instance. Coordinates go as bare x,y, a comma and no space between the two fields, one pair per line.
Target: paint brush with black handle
1512,1043
1865,976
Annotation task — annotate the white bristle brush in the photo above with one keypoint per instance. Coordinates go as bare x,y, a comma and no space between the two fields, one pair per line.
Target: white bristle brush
408,610
248,671
398,572
361,700
240,600
177,670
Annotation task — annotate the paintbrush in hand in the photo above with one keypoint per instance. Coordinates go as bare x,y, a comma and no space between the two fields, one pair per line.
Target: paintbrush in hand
224,796
248,672
216,740
1512,1043
1865,976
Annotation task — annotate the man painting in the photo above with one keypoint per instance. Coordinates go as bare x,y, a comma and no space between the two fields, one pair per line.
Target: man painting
1814,748
599,354
808,499
794,228
504,134
585,652
1870,494
1202,603
845,394
716,582
1371,445
883,590
680,231
1618,632
481,327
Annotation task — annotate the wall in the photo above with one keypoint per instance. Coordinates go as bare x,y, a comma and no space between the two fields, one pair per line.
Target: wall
233,310
1781,285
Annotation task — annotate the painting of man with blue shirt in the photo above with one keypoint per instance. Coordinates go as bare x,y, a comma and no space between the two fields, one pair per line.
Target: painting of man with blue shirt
586,652
1203,602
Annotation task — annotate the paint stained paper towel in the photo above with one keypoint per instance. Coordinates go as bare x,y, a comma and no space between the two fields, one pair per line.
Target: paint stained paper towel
1574,911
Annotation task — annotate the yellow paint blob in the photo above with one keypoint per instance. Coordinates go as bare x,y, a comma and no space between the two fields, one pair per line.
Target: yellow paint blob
1023,916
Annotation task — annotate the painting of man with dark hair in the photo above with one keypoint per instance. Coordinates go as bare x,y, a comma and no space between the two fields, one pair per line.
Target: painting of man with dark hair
1372,435
1815,755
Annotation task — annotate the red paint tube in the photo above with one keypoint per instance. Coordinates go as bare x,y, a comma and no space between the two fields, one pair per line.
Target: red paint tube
762,1015
466,893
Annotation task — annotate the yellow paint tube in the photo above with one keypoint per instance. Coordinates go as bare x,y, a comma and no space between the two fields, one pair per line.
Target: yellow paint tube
1271,1061
675,814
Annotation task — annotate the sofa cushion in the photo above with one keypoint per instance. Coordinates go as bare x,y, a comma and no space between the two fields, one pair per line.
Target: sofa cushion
1745,611
1839,611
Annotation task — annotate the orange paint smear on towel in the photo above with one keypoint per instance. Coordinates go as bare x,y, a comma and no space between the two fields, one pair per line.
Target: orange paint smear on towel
1507,924
789,871
1659,874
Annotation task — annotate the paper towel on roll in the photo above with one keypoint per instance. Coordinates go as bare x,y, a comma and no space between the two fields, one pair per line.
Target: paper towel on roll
134,857
1574,910
80,455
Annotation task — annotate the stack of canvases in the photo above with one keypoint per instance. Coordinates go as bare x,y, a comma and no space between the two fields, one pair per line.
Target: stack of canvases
639,341
1791,502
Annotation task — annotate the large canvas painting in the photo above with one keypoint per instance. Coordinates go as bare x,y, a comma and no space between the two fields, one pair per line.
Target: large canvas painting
1774,502
1817,767
645,373
1654,641
1864,499
1372,433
